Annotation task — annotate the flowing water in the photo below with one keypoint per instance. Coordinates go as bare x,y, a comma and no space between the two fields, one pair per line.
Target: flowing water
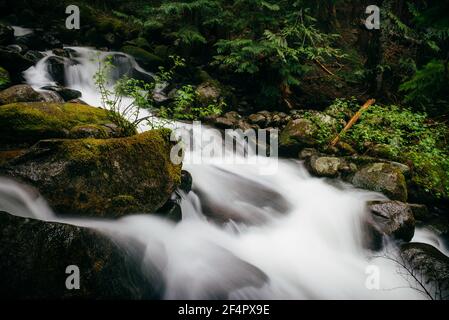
244,234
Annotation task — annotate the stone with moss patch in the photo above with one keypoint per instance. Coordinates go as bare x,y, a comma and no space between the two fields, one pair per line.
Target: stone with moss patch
143,57
27,123
384,178
101,177
20,93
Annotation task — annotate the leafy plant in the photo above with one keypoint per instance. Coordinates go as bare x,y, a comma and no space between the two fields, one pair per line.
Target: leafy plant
125,99
187,107
404,136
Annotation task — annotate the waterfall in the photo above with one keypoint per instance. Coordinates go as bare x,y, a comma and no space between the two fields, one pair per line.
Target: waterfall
243,235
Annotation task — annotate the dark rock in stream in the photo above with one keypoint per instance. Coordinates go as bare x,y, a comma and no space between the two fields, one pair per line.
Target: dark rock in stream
249,202
66,93
14,62
429,266
394,219
35,255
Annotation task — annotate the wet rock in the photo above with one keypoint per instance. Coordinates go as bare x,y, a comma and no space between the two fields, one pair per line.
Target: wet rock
429,266
61,52
186,181
394,219
382,177
33,56
326,166
35,255
20,93
250,202
66,93
93,177
51,97
27,123
14,62
56,68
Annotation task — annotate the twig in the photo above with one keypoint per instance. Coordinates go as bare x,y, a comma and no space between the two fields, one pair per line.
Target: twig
353,121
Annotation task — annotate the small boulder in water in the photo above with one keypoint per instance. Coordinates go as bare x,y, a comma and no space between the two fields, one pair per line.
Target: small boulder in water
186,181
394,219
56,68
66,93
20,93
34,56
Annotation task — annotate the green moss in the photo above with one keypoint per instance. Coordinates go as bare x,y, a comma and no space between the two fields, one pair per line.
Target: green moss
100,177
401,135
30,122
147,59
5,80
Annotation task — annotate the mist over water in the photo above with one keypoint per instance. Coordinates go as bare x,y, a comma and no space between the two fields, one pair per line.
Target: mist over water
243,235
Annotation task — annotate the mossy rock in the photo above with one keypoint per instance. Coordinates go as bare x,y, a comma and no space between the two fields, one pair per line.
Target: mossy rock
27,123
140,43
298,134
101,177
5,80
107,24
146,59
382,177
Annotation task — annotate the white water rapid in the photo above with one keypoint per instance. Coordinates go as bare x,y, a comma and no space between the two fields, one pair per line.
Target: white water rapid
285,236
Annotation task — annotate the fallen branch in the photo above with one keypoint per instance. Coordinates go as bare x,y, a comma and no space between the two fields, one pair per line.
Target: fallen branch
322,66
353,120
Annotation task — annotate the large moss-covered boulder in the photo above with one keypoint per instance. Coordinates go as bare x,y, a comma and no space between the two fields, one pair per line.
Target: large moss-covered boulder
20,93
35,255
145,59
382,177
100,177
27,123
5,80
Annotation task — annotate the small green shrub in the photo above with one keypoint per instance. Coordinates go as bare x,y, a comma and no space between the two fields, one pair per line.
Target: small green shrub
404,136
187,107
